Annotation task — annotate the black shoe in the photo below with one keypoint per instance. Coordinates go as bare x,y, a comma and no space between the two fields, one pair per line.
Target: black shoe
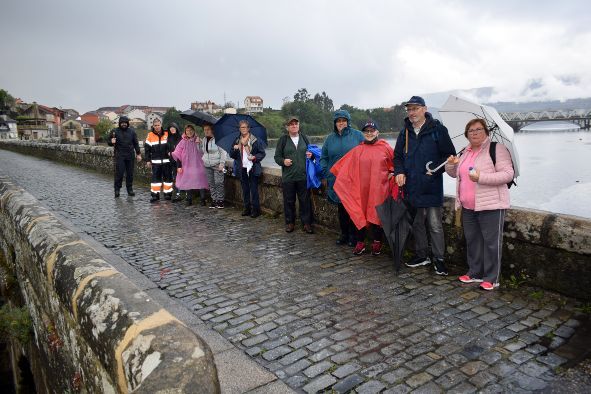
176,198
220,204
168,196
440,267
213,204
203,202
116,193
189,202
352,241
154,198
342,240
246,212
130,192
418,261
289,227
255,214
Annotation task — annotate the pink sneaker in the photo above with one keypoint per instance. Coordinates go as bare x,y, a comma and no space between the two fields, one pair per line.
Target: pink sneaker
467,279
359,248
488,286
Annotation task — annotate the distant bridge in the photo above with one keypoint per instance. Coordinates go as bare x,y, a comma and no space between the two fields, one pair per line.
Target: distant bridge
517,120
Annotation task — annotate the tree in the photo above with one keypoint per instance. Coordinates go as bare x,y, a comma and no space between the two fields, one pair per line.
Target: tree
301,96
173,115
7,104
102,129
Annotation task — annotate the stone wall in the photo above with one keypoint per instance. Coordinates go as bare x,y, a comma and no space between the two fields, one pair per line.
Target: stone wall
92,329
549,250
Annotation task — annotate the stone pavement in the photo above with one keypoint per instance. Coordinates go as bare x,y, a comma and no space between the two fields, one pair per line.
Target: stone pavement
316,316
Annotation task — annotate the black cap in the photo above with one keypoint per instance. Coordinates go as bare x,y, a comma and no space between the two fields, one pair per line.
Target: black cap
415,100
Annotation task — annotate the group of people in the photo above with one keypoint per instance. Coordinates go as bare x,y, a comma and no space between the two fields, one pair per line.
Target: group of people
179,163
359,172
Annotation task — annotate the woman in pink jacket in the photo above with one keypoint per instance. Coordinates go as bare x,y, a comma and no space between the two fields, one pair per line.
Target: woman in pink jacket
482,193
190,168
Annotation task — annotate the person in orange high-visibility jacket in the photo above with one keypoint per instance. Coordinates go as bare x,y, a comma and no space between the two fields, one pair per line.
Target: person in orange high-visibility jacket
158,158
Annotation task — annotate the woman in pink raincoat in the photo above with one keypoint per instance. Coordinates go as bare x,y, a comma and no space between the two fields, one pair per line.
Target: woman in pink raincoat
190,169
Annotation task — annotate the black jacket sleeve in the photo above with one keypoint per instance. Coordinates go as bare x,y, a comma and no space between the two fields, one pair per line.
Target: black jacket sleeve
136,144
399,153
445,146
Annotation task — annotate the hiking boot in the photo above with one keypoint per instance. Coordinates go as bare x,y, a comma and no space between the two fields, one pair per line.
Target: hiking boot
289,227
246,212
116,193
468,279
376,248
308,229
359,248
488,286
439,267
418,261
342,240
220,204
130,192
154,198
255,214
168,196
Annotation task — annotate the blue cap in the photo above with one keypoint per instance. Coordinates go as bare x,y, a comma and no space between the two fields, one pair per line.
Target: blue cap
415,100
370,123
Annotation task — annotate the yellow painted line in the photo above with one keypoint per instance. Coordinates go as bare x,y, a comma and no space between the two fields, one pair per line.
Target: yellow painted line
37,219
84,282
157,319
53,257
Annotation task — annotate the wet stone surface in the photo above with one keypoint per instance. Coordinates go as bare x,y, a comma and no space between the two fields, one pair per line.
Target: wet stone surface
311,312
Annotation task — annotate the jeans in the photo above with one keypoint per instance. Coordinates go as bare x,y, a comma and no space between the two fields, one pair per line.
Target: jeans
429,217
250,191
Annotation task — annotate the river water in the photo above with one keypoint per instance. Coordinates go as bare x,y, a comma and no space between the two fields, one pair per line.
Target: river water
555,165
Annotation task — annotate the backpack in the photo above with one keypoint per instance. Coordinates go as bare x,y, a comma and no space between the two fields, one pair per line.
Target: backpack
492,151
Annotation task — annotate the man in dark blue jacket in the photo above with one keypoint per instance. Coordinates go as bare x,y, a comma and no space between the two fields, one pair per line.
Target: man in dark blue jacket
124,139
423,140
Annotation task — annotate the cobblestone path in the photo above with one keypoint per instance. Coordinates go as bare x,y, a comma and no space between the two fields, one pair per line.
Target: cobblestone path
309,311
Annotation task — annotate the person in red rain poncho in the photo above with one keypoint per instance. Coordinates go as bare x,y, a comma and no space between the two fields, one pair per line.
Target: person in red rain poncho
363,181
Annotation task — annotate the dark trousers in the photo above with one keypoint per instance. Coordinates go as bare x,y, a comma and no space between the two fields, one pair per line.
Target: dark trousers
484,243
376,233
250,191
348,229
125,166
290,191
161,179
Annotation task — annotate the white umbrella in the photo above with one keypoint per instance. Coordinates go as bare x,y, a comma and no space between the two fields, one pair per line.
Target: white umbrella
457,112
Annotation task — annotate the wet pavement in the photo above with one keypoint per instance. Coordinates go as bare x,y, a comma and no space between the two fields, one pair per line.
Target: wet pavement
318,317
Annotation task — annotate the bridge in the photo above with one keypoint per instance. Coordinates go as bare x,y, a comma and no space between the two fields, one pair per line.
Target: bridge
279,312
518,120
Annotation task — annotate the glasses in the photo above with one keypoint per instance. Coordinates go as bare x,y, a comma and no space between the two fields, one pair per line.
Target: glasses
474,131
413,109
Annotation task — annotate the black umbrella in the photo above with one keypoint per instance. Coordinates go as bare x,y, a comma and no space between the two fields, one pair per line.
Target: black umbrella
199,118
227,129
396,219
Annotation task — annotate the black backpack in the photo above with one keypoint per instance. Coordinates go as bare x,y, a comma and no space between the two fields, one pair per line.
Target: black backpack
493,155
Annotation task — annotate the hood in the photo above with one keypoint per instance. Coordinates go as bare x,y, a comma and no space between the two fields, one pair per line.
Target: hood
123,119
176,126
341,113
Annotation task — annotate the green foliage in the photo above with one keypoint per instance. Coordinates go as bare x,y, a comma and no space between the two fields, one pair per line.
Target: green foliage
7,104
584,308
173,115
15,323
102,129
537,295
273,122
516,281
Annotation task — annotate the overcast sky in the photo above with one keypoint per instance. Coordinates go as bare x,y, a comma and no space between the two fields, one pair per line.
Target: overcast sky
87,54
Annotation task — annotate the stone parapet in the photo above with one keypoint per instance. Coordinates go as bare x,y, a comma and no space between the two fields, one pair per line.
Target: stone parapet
549,250
93,329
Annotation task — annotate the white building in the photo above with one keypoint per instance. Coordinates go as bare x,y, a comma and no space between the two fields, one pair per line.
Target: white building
136,114
7,128
151,117
253,104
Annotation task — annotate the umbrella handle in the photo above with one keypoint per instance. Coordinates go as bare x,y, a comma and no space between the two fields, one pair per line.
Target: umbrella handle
431,171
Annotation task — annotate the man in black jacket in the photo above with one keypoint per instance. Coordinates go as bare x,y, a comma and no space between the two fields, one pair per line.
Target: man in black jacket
124,139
